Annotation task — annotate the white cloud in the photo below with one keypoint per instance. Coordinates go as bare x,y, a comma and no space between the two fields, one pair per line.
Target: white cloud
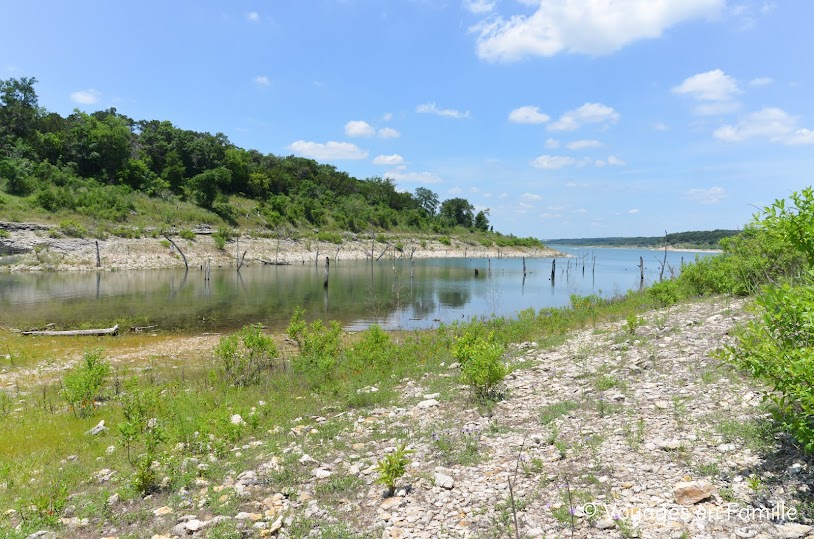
329,151
589,113
714,91
455,191
503,195
262,80
552,144
388,132
615,161
713,195
431,108
553,161
583,144
712,85
772,123
593,27
528,115
633,211
253,16
478,7
390,160
761,81
401,174
359,128
661,126
387,116
530,196
86,97
716,108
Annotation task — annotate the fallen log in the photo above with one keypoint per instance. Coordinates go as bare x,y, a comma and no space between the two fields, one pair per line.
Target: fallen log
75,332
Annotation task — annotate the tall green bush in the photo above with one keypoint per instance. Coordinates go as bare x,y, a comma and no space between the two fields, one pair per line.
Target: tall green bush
82,385
778,345
245,355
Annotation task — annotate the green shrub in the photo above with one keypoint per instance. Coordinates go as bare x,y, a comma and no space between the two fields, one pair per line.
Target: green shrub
320,348
141,434
187,234
220,240
331,237
82,385
72,229
4,233
245,355
445,240
665,293
374,351
392,467
484,370
778,348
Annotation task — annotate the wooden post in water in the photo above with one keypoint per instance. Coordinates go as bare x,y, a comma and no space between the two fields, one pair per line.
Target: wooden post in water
327,266
98,259
553,270
641,273
524,266
490,266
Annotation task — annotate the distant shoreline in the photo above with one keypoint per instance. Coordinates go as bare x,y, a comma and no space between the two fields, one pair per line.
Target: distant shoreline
45,253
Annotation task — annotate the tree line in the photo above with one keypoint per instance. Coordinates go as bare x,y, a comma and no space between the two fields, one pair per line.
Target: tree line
93,164
697,238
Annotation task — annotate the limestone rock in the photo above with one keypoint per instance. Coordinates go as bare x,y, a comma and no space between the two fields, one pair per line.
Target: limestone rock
692,492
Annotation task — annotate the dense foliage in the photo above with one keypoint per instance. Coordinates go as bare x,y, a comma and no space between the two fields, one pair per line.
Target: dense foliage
693,239
777,346
97,164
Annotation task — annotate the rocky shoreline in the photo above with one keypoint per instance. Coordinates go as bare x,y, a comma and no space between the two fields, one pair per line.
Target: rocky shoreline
618,432
38,247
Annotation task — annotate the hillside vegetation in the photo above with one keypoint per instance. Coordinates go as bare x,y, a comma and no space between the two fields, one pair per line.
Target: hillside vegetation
112,174
701,239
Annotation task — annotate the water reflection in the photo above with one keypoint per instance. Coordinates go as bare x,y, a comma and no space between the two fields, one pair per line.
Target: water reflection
395,294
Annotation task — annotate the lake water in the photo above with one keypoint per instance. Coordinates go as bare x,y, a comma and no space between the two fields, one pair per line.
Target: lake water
394,294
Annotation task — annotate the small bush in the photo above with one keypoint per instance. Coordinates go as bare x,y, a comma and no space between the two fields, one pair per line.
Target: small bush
141,433
221,237
445,240
72,229
82,385
665,293
484,370
245,355
4,233
392,467
320,348
330,237
778,347
187,234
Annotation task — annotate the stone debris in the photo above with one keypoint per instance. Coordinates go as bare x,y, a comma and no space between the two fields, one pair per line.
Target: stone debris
620,435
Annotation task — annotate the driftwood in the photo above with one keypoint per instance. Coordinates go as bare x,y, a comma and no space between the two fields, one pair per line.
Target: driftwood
274,263
75,332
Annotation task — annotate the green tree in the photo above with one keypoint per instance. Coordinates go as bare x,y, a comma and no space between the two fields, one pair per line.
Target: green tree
459,211
18,107
427,200
206,186
482,221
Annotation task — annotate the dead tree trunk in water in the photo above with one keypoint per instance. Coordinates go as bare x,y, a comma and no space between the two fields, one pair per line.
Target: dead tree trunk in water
98,258
327,265
641,273
168,239
524,266
553,270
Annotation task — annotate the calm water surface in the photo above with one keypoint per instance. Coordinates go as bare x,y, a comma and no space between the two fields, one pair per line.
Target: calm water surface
394,294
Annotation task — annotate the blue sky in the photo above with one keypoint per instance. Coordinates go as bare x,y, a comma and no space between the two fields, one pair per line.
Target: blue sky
566,118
